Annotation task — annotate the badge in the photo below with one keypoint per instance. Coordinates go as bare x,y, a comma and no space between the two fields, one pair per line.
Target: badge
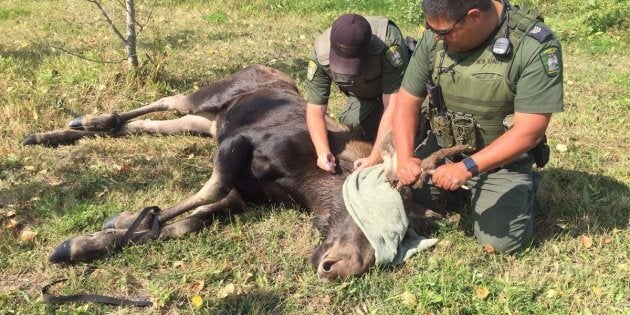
550,58
539,32
394,56
312,68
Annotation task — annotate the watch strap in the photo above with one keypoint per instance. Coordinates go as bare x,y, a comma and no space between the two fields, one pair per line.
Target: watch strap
471,166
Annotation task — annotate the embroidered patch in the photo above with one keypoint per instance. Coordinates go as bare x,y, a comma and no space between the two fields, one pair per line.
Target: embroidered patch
550,58
539,32
394,56
310,71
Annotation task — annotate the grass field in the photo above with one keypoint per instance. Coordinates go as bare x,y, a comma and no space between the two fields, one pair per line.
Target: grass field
257,263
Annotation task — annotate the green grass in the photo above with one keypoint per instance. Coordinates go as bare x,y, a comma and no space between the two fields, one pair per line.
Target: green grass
258,262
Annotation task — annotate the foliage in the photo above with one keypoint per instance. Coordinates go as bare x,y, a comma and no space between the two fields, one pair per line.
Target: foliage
602,15
257,262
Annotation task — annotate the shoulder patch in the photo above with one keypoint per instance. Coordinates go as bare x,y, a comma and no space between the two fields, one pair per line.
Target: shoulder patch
394,56
550,58
310,71
539,32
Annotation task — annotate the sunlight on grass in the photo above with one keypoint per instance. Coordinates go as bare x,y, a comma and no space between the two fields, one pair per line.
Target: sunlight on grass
257,262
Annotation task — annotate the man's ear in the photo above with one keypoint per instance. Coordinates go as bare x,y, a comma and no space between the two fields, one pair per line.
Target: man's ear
475,15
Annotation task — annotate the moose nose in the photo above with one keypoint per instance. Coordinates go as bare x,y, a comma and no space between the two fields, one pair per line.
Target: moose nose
326,270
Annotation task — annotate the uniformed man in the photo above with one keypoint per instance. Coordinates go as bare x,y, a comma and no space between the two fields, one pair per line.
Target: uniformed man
490,60
366,58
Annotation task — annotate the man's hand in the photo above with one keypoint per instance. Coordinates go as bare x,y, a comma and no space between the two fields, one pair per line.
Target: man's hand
408,170
450,176
326,162
366,162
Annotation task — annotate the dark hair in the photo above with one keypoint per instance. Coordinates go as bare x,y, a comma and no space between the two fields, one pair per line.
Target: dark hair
452,9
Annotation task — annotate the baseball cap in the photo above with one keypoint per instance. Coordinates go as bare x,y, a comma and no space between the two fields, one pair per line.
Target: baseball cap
350,38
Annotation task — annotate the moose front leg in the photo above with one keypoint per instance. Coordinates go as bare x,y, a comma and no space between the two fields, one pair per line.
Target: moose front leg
232,156
105,243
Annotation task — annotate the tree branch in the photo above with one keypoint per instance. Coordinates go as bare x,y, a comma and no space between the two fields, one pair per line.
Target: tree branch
97,3
83,57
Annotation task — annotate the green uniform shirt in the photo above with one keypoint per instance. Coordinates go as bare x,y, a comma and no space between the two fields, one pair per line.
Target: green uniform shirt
535,73
393,61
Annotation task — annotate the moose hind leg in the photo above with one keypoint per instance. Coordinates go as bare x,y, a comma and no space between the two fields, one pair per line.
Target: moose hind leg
195,124
113,122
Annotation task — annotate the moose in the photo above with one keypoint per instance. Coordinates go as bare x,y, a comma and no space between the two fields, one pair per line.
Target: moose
264,154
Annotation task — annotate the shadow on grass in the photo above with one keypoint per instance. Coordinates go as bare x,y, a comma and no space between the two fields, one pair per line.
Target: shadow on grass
256,302
573,203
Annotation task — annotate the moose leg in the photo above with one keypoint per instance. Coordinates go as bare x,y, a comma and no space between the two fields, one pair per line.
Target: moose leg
203,216
114,122
201,124
119,124
231,158
60,137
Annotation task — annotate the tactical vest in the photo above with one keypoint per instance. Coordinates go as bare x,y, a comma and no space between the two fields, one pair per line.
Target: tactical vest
368,83
478,85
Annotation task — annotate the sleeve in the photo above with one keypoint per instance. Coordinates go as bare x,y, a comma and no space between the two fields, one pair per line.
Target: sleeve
420,66
394,60
317,82
539,87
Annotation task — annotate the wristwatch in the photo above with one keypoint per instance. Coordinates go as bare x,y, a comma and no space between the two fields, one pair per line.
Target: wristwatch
471,166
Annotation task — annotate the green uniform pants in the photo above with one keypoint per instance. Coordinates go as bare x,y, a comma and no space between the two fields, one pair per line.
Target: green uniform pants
502,203
363,115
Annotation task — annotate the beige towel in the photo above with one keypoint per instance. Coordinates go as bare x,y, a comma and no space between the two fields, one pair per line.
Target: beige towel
378,210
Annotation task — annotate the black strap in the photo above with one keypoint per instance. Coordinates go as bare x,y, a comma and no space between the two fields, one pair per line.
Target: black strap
124,241
155,227
59,299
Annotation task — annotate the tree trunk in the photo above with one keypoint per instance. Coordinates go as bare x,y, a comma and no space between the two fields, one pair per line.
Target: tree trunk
132,56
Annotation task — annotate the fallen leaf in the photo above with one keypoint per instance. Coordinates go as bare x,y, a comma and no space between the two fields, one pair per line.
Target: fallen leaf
9,213
408,299
27,236
585,241
562,147
226,291
11,223
482,292
488,248
197,286
196,301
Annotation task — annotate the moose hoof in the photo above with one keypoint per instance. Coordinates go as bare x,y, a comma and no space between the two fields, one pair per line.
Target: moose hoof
30,140
104,122
61,254
86,248
76,124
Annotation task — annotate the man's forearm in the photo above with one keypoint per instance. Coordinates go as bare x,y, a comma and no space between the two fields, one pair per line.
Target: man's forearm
405,122
528,130
316,124
389,102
